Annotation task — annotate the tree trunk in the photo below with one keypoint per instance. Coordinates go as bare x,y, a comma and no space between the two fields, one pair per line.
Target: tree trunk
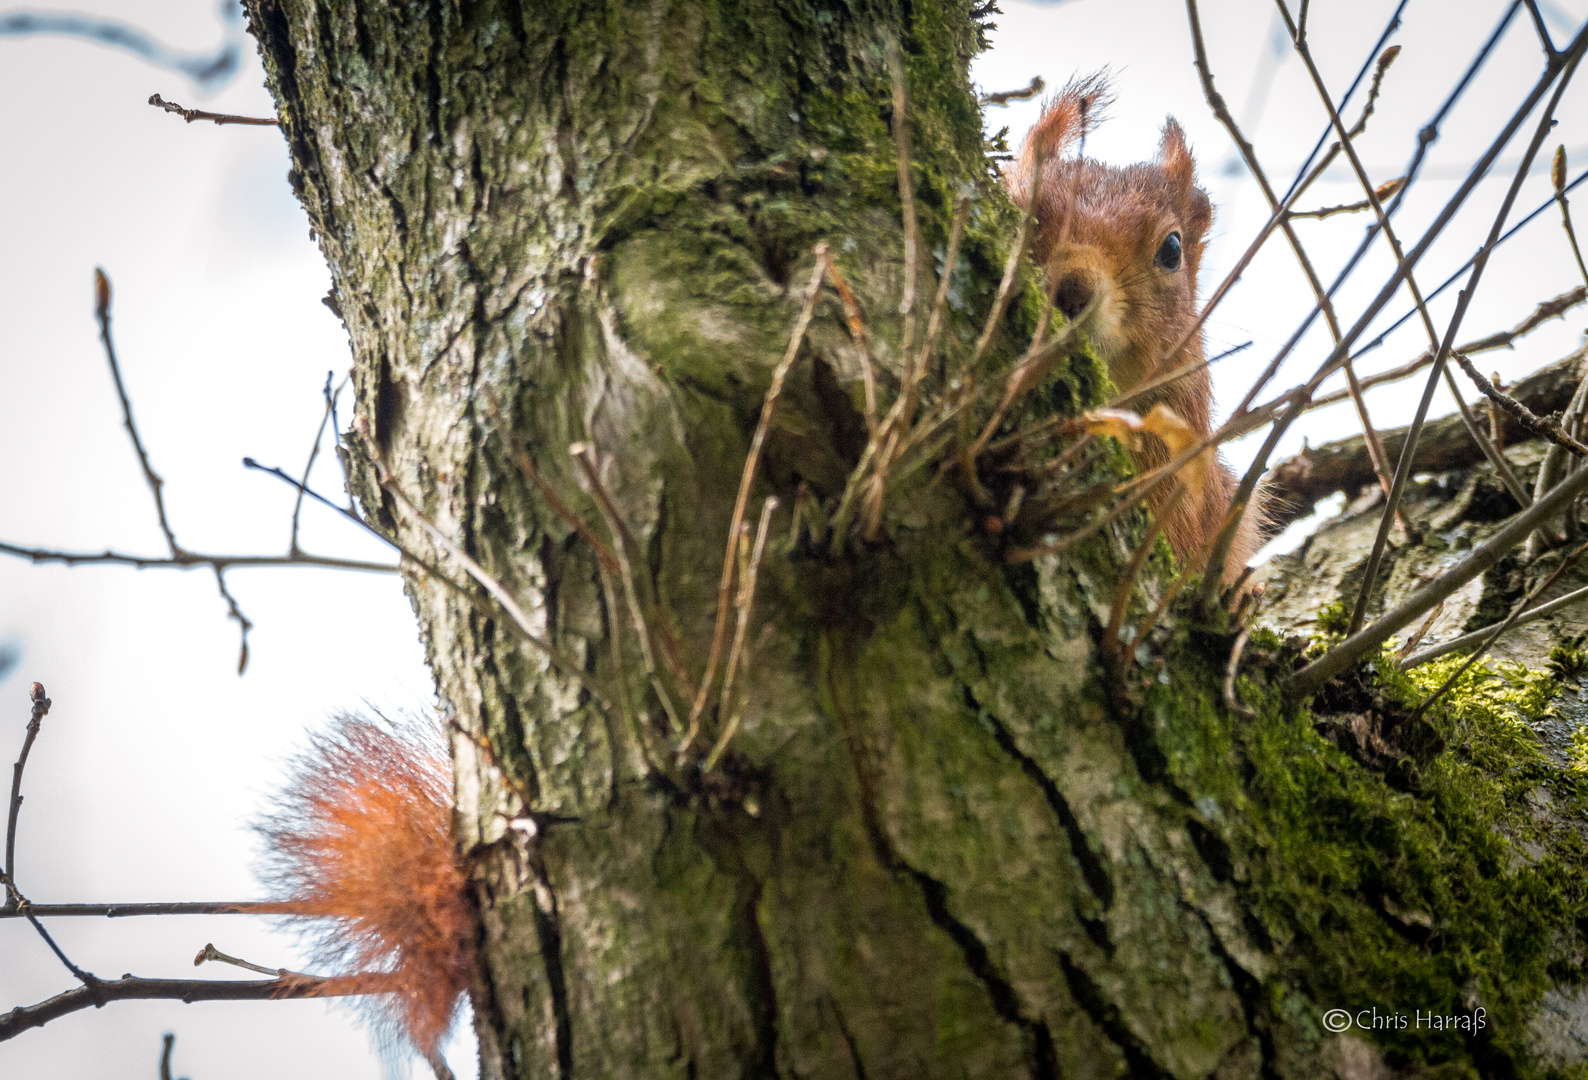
946,841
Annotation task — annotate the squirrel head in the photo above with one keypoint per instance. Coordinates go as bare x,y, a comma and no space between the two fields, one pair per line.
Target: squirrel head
1130,239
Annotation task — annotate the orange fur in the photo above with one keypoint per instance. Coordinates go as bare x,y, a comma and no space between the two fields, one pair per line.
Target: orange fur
1098,230
361,837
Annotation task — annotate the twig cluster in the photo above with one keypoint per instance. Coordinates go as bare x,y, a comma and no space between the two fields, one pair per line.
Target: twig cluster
177,556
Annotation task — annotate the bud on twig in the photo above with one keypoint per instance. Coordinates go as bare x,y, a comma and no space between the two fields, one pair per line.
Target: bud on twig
1557,172
101,295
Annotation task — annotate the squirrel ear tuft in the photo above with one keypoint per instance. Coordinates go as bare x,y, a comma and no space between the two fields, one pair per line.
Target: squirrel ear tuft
1065,120
1175,159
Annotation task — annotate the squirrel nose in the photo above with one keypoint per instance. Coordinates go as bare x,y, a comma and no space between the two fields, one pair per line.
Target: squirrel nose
1073,294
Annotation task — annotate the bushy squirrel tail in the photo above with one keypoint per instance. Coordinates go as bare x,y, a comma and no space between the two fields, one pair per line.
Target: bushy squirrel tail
1065,120
360,840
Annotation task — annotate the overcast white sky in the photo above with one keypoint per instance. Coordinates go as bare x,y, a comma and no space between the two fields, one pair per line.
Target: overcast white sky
157,755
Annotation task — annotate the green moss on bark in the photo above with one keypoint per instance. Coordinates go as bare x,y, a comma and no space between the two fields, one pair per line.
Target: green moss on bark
1447,877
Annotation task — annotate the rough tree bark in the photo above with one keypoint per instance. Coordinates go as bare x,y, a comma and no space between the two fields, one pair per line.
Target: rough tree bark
947,841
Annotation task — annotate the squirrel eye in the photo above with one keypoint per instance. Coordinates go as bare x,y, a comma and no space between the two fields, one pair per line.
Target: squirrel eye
1168,255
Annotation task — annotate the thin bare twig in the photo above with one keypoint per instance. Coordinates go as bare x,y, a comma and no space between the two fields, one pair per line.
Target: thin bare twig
1037,361
14,898
585,454
857,331
1541,29
207,70
1421,632
1557,175
746,483
1524,416
934,323
169,1041
745,603
1519,618
609,597
1554,308
210,952
1385,190
884,446
1112,641
122,911
1494,635
102,315
1025,93
1483,556
314,452
1214,575
567,665
1385,59
131,988
1231,670
190,560
346,512
1510,233
1501,465
217,119
894,431
901,141
995,314
1295,400
40,709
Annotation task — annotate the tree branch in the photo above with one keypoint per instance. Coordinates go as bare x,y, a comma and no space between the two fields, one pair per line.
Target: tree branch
1025,93
1297,484
189,560
122,911
131,988
217,119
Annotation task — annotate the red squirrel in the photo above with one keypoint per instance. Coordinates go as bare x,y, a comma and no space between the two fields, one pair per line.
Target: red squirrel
1132,239
360,841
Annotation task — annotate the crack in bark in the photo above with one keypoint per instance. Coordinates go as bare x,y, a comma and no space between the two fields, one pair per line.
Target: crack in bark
1105,1014
436,25
934,893
484,997
855,1058
1044,1058
548,931
270,28
761,949
514,732
1093,871
1247,990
